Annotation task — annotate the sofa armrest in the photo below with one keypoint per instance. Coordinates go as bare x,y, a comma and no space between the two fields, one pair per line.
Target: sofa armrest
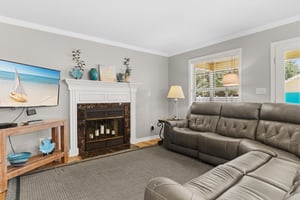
175,123
162,188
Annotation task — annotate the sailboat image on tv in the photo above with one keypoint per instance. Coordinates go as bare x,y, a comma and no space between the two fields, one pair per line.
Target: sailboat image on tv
18,94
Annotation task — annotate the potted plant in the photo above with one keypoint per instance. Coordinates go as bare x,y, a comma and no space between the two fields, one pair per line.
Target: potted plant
127,69
77,71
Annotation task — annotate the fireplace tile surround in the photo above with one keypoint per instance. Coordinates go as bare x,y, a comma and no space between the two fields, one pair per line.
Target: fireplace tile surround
93,92
102,127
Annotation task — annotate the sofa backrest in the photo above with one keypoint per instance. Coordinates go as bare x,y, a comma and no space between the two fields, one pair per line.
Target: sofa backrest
279,126
239,120
204,116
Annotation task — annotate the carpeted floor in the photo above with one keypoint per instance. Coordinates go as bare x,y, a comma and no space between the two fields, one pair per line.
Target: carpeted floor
121,176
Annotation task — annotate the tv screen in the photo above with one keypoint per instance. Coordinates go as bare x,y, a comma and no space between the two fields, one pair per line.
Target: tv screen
23,85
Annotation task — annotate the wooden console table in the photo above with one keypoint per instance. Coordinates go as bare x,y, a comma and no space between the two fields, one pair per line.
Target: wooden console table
59,131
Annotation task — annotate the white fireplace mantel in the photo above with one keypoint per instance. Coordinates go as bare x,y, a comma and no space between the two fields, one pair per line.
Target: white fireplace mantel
87,91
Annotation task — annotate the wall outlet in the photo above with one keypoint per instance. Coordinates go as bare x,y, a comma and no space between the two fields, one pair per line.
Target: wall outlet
260,90
30,111
151,127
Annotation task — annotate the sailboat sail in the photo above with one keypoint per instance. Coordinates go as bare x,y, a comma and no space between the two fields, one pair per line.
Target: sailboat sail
18,94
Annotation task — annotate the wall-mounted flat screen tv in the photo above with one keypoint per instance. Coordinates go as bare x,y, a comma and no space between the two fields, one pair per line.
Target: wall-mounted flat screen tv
23,85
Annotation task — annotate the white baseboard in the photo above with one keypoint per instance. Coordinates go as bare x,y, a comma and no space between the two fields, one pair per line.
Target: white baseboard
143,139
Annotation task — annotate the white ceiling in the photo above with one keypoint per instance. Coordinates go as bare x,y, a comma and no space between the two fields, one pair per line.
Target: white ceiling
164,27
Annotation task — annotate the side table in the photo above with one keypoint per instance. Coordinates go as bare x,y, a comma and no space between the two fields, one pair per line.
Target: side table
161,123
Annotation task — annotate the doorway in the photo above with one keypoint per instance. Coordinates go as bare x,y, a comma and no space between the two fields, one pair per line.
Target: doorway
285,71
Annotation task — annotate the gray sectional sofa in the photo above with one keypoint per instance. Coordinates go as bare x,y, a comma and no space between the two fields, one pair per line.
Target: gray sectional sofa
255,148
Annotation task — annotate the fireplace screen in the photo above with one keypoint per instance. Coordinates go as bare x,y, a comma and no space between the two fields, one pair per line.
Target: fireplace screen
103,126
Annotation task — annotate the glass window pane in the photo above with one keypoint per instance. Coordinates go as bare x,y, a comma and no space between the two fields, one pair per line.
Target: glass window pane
292,81
202,79
208,76
218,78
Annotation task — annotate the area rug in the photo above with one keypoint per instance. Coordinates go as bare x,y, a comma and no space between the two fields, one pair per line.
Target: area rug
121,176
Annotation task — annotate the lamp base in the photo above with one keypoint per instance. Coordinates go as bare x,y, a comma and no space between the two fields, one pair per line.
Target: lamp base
175,109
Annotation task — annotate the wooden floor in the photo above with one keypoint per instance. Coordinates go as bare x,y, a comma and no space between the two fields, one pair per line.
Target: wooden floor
77,158
147,143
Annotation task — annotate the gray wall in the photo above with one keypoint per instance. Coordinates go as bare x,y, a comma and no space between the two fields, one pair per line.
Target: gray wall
54,51
154,74
255,70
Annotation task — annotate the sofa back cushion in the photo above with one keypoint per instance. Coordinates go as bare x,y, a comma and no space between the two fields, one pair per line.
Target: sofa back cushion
204,116
239,120
279,126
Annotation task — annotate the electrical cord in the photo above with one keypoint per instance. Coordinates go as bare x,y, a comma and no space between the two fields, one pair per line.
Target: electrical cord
11,146
18,115
9,139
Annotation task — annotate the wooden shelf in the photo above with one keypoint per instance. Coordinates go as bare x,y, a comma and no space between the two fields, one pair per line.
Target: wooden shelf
59,135
33,163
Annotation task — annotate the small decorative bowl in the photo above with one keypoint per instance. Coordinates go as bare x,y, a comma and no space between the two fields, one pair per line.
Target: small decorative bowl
18,159
47,147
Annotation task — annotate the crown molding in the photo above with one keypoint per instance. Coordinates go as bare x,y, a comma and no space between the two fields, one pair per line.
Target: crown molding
242,34
48,29
35,26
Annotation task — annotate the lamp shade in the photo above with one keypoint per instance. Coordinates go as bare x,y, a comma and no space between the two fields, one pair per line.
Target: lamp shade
230,79
175,92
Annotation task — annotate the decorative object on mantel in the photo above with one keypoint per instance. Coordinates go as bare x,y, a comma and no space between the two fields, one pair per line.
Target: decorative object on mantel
127,70
47,147
77,71
107,73
94,74
120,77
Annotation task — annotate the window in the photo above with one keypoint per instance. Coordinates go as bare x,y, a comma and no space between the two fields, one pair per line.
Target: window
206,77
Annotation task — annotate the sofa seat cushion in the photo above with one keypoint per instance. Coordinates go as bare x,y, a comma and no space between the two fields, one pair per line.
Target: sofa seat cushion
185,137
277,172
218,145
250,161
162,188
247,145
250,188
214,182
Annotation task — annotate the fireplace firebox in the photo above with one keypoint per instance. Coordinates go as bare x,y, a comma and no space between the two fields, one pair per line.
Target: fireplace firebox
103,127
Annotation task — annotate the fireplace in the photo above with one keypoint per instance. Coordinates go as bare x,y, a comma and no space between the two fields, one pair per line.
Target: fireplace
86,93
103,127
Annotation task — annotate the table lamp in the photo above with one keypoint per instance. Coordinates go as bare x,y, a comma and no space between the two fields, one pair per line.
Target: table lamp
175,93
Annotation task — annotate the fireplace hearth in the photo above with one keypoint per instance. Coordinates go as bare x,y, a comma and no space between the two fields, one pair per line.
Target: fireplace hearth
103,127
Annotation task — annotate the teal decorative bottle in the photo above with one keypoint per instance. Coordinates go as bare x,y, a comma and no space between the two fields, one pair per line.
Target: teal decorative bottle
94,74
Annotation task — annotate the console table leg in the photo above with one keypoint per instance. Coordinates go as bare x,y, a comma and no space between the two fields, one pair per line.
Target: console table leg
55,137
3,167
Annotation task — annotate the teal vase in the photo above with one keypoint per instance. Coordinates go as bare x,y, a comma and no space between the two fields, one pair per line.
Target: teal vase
94,74
77,73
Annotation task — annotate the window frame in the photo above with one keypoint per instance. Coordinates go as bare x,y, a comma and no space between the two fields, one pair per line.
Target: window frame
208,58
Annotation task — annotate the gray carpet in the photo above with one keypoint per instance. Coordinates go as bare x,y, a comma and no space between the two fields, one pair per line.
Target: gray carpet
122,176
